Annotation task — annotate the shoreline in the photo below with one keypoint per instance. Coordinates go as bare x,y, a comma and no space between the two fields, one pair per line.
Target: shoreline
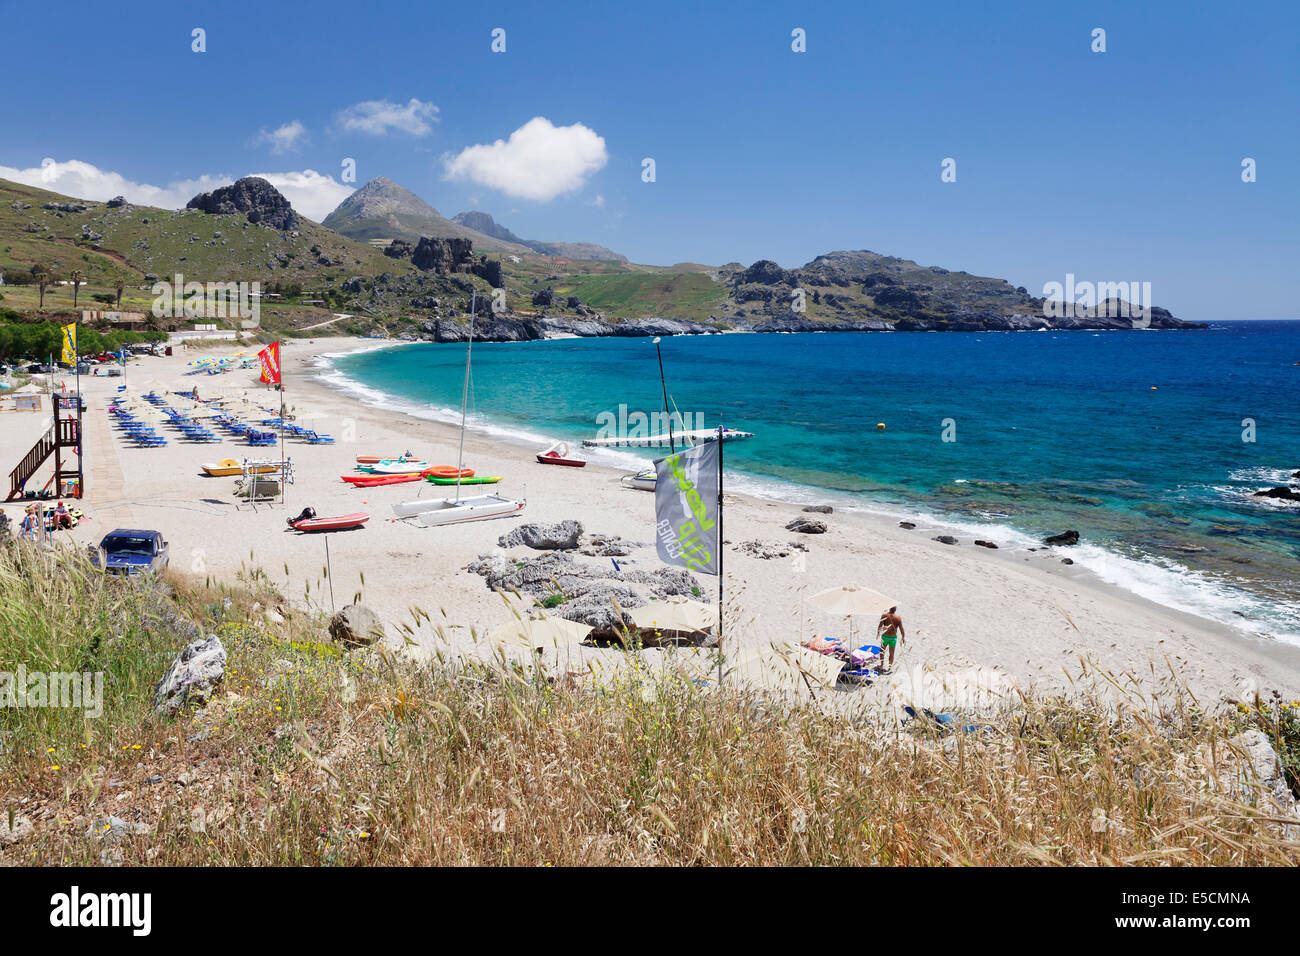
1175,588
880,522
971,613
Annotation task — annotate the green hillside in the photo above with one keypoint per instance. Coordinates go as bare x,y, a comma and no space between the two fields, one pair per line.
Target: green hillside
134,244
637,295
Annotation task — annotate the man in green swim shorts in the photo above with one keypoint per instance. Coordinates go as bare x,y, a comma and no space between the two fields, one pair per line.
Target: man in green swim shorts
890,631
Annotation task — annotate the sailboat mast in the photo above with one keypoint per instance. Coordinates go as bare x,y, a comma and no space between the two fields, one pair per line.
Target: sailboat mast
464,395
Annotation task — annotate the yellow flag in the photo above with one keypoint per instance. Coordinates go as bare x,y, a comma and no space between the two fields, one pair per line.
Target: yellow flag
70,343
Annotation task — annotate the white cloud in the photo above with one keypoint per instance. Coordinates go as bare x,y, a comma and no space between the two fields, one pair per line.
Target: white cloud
313,194
539,160
85,181
378,117
283,139
598,202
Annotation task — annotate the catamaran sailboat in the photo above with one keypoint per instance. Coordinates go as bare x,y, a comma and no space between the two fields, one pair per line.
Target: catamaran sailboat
692,436
457,510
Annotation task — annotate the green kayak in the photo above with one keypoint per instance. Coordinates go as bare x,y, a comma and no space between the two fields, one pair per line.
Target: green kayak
472,480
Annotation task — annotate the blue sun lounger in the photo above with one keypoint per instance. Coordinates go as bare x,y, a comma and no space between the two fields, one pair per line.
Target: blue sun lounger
947,722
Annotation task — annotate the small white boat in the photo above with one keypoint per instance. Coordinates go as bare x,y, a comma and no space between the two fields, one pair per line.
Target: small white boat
692,436
558,454
642,480
441,511
411,467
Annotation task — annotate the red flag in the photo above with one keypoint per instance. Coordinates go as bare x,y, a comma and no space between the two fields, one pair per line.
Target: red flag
270,357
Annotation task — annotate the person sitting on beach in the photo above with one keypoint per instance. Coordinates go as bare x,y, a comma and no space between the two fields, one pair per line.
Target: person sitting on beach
30,529
890,631
4,522
61,517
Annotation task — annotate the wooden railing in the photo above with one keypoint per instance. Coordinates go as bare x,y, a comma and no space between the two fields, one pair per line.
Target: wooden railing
66,433
31,462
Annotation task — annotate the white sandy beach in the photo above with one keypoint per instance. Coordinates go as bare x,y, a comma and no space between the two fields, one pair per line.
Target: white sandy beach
1016,614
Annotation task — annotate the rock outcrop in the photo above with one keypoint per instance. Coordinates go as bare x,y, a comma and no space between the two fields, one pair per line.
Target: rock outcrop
253,196
443,256
589,591
563,536
1065,538
1280,493
192,677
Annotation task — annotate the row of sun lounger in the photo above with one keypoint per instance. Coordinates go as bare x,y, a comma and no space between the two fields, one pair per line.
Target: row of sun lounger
143,434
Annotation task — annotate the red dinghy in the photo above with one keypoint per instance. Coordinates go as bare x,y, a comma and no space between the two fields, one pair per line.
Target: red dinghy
370,481
337,523
558,454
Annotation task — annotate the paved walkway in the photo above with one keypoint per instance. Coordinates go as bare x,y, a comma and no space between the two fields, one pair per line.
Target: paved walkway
106,499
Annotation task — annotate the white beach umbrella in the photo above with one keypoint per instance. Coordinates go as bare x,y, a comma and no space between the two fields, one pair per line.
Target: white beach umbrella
675,615
541,631
784,667
549,643
851,600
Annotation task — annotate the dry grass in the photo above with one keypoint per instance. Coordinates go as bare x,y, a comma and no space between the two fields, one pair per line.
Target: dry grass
309,756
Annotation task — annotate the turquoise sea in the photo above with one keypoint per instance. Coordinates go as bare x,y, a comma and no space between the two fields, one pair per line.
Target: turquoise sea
1148,443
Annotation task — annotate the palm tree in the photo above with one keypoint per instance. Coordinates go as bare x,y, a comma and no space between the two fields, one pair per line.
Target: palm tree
42,276
118,286
77,278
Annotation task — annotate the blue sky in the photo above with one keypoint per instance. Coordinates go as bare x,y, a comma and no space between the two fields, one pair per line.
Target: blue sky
1114,166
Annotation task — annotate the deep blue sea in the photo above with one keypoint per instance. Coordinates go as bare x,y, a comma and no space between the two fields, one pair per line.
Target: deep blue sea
1148,443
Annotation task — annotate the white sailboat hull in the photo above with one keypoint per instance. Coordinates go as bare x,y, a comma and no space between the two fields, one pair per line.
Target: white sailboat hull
691,436
444,511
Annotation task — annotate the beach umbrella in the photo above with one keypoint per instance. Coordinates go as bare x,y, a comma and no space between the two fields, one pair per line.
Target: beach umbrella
541,631
550,643
675,615
852,600
784,667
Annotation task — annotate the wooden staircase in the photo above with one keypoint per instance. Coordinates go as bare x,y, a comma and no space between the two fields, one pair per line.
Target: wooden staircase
64,433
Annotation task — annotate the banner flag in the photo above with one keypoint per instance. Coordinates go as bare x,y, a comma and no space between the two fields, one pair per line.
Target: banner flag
70,343
270,357
686,509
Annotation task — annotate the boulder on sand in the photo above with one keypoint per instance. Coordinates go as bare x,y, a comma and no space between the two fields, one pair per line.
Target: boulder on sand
807,526
819,509
946,539
1064,538
544,537
356,626
985,544
193,676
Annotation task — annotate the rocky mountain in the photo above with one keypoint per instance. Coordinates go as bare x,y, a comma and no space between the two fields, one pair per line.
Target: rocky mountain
866,291
381,209
484,223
